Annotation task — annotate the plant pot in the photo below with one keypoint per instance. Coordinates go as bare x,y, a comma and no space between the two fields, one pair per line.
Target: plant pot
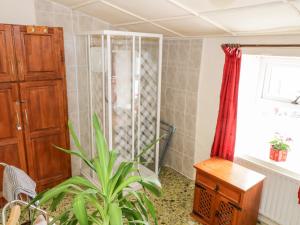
278,155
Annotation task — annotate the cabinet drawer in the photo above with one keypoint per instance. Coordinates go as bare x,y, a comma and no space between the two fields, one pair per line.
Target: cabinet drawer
206,180
221,188
230,193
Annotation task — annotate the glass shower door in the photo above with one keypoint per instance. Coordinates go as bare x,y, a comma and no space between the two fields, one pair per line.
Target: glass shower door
92,96
148,112
84,90
134,98
121,96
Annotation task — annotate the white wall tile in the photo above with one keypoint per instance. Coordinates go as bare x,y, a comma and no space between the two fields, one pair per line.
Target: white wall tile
44,18
53,14
181,65
44,5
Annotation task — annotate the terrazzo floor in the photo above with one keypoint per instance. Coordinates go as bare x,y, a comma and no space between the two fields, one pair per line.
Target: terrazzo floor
175,205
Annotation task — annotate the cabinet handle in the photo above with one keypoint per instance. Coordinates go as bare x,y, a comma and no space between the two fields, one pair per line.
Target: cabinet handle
26,117
235,206
200,186
18,125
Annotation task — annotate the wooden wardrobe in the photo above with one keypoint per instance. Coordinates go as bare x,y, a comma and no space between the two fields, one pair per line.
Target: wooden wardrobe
33,103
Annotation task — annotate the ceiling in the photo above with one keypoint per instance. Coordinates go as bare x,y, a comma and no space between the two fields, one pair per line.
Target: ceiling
196,18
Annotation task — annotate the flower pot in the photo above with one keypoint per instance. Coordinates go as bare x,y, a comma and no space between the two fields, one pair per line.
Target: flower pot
278,155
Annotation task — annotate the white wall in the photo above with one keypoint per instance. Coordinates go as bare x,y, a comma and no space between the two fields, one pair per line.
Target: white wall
212,62
17,11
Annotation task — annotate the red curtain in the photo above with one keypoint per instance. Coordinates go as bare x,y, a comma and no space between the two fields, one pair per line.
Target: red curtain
224,140
299,195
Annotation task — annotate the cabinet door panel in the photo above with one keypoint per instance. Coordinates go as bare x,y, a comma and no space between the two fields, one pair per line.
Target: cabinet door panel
7,60
49,166
44,110
39,53
11,138
44,101
225,212
204,200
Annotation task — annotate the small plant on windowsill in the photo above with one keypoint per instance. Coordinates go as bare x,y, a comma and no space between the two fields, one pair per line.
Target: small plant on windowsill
279,147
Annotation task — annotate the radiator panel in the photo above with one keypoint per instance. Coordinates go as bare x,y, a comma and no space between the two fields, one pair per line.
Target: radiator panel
279,201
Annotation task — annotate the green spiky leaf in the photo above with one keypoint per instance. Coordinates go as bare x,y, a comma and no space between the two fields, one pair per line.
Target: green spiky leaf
115,201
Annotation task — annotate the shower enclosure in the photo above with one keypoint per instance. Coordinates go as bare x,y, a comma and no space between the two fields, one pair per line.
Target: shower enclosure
122,86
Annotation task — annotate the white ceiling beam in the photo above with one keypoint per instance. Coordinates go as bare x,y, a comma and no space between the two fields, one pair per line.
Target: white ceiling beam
200,36
83,4
217,25
140,17
283,32
191,11
78,6
187,9
287,31
154,20
275,31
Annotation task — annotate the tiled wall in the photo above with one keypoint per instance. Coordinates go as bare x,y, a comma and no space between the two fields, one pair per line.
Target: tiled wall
181,65
180,75
73,22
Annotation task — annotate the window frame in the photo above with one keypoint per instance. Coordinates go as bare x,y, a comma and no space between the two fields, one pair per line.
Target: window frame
265,77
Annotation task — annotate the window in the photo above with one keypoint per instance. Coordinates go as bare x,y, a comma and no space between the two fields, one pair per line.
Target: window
268,86
281,78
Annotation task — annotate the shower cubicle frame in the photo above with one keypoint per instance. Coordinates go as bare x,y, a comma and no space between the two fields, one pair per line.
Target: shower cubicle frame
134,35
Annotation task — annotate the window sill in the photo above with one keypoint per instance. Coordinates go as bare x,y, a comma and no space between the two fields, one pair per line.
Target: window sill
285,168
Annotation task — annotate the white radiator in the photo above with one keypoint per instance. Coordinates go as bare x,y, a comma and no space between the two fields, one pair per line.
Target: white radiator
279,202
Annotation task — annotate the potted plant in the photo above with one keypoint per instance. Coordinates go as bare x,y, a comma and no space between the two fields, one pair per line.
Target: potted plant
114,201
279,148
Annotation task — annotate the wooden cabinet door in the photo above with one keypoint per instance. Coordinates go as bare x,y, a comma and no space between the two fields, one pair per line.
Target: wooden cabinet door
226,212
44,111
39,52
204,200
11,137
7,60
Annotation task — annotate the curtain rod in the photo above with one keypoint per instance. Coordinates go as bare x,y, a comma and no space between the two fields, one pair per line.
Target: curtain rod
263,45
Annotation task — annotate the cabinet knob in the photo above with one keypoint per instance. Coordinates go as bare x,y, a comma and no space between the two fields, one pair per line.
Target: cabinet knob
217,188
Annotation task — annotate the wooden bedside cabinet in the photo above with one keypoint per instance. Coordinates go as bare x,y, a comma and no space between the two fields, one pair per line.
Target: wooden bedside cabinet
226,193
